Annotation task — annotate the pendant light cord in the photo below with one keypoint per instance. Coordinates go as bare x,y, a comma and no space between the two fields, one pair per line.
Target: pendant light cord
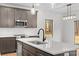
70,12
69,9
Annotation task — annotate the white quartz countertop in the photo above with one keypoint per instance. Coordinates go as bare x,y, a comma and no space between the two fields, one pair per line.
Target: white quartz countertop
51,47
16,35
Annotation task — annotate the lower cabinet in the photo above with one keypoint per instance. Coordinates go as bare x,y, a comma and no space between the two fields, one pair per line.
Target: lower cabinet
73,53
28,50
24,49
7,44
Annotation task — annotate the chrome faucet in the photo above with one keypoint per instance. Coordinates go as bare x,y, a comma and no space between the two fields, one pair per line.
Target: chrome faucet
43,34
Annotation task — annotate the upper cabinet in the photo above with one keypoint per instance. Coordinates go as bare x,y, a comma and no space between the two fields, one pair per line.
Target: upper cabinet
9,16
11,21
20,14
31,20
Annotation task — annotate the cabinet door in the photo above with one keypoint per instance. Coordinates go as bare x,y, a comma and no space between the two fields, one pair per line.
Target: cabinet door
4,45
72,53
31,20
8,44
17,14
20,14
3,17
6,17
24,14
13,44
26,53
11,20
31,50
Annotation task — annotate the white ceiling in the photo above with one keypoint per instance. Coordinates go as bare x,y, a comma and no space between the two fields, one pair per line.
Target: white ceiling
59,8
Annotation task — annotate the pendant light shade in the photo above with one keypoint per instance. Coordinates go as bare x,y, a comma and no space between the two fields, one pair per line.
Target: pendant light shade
33,10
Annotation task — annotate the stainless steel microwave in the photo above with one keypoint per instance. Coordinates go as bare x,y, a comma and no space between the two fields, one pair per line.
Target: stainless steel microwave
21,23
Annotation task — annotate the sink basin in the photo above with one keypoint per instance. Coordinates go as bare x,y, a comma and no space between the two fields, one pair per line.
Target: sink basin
38,42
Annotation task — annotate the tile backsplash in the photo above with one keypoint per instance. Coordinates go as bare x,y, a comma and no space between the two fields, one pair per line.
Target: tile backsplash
13,31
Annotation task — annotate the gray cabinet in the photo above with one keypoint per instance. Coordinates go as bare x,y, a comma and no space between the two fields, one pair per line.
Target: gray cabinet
7,44
28,50
20,14
32,20
73,53
3,17
70,53
11,21
6,17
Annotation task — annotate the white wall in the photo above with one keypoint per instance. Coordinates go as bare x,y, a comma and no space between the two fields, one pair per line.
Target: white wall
57,24
68,34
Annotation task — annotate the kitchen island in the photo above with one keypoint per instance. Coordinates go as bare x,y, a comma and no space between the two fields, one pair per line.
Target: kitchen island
26,48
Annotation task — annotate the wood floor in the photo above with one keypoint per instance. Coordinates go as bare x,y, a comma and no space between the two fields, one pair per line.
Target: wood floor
8,54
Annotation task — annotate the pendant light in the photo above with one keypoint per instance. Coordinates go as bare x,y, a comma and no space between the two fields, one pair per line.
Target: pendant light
69,14
33,10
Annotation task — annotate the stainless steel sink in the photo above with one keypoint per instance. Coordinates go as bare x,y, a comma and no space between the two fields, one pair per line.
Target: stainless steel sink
37,42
